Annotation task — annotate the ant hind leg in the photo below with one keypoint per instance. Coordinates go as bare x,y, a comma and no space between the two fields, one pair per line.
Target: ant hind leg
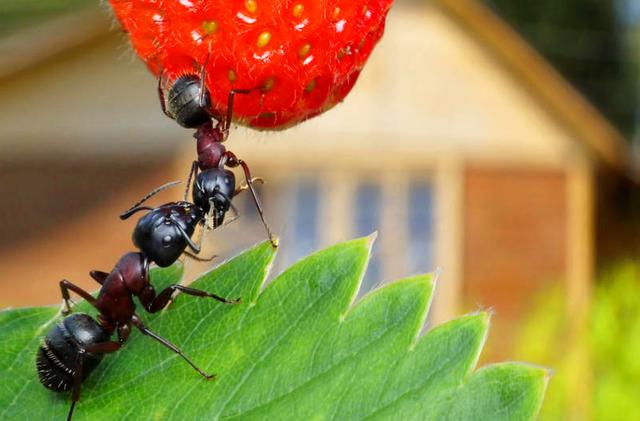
99,348
164,342
65,286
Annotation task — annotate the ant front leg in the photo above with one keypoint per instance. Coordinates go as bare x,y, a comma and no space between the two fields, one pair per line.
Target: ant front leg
137,322
198,258
65,286
157,303
226,124
245,185
203,98
193,174
233,161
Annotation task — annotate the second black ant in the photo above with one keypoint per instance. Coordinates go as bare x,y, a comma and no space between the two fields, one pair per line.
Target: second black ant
188,103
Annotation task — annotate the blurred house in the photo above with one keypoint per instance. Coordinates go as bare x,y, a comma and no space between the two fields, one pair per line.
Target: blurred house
460,145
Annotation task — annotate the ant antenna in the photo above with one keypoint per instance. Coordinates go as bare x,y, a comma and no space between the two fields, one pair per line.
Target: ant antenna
185,236
203,75
133,208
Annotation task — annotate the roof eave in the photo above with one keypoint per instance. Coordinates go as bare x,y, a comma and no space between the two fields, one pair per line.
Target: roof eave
33,45
553,91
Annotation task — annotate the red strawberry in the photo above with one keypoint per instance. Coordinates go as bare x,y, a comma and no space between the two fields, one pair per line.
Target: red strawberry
305,55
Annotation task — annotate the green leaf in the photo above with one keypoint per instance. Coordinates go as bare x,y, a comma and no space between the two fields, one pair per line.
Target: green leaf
298,349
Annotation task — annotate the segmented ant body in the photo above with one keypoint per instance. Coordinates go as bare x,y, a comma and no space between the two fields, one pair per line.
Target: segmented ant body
74,347
188,103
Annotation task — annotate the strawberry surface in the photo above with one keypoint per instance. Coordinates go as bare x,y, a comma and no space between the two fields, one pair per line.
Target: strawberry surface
302,56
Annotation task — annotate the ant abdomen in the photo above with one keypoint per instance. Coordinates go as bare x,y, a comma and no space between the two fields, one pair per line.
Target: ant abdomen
184,102
58,355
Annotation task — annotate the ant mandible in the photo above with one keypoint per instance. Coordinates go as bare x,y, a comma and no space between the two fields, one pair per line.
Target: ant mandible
74,347
188,102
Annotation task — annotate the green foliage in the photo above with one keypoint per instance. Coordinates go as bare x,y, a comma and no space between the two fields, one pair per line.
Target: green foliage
586,42
22,14
297,349
613,341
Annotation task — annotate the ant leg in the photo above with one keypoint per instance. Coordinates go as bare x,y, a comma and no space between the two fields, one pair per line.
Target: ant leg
198,258
164,297
124,330
99,348
202,102
233,161
230,101
65,286
192,174
163,102
136,208
98,276
103,347
77,383
245,186
145,331
200,238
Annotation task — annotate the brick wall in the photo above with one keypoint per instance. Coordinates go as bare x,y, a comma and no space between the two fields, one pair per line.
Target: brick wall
515,225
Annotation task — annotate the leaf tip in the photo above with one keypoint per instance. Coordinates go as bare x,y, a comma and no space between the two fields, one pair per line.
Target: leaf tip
545,372
484,316
371,238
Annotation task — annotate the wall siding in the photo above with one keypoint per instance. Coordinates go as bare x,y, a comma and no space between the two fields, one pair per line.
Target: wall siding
515,227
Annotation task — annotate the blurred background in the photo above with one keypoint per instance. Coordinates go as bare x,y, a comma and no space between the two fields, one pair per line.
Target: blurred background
498,141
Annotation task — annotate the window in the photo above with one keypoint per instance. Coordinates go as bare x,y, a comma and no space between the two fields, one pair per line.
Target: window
305,224
420,225
367,220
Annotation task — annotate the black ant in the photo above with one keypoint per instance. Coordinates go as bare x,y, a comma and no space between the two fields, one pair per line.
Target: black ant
74,347
188,103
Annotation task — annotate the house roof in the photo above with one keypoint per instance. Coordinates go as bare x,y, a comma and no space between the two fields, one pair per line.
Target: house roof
553,91
60,26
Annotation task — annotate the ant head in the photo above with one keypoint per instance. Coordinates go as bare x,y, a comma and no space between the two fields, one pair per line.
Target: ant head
164,233
184,102
213,191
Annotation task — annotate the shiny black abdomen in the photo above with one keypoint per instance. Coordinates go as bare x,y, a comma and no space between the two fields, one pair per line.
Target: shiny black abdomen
58,353
184,102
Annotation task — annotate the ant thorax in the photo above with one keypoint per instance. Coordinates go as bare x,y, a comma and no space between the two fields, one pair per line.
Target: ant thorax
209,145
